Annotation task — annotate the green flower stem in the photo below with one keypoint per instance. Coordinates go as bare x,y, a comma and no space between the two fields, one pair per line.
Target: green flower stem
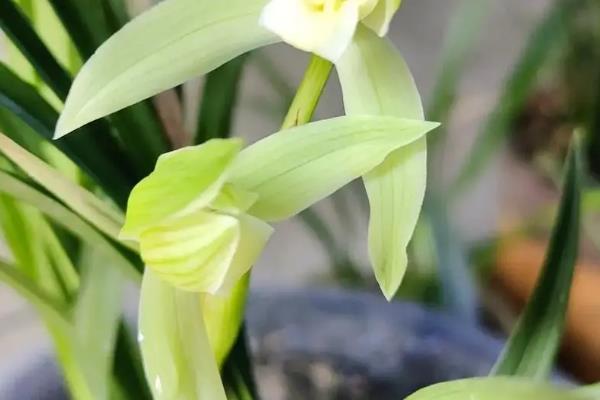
309,92
300,112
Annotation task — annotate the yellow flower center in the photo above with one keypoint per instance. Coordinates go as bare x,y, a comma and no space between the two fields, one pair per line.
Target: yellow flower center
335,5
322,5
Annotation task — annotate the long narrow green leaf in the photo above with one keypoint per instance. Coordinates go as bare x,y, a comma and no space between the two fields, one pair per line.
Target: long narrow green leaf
219,99
533,344
97,212
49,307
118,256
93,152
547,37
496,389
58,320
131,125
18,28
137,62
96,320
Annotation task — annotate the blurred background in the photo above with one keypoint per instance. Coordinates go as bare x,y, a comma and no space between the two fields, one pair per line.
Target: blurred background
510,80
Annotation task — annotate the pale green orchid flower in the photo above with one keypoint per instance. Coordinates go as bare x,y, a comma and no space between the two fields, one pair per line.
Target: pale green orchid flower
201,217
137,62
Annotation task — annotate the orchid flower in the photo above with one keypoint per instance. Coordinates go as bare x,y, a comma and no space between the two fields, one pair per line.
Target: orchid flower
179,39
202,217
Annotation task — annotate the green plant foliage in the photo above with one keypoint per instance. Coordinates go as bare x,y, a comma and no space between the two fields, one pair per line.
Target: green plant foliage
61,215
534,343
94,152
219,99
130,66
496,389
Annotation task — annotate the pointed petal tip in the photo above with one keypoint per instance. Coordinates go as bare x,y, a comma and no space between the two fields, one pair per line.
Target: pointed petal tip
389,292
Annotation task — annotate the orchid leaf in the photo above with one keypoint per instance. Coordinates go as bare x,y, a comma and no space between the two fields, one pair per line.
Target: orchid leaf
98,213
496,389
533,344
294,168
47,305
137,61
118,257
96,320
376,80
178,359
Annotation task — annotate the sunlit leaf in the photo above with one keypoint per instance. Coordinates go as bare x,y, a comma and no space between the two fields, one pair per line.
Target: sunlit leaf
97,212
376,80
137,62
96,320
178,359
533,344
495,389
119,257
95,153
294,168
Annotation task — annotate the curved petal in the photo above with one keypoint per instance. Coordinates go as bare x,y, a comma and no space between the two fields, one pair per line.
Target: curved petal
375,79
294,168
183,181
163,47
380,18
178,359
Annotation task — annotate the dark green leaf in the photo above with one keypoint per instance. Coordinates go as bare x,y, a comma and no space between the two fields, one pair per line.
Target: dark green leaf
219,99
94,152
19,30
533,344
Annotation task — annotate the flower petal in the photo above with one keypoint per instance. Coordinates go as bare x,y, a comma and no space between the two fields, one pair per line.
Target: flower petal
254,235
375,79
183,181
194,252
324,32
178,359
380,18
172,42
294,168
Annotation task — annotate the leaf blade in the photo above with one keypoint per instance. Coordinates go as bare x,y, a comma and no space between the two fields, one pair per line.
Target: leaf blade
534,343
117,76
